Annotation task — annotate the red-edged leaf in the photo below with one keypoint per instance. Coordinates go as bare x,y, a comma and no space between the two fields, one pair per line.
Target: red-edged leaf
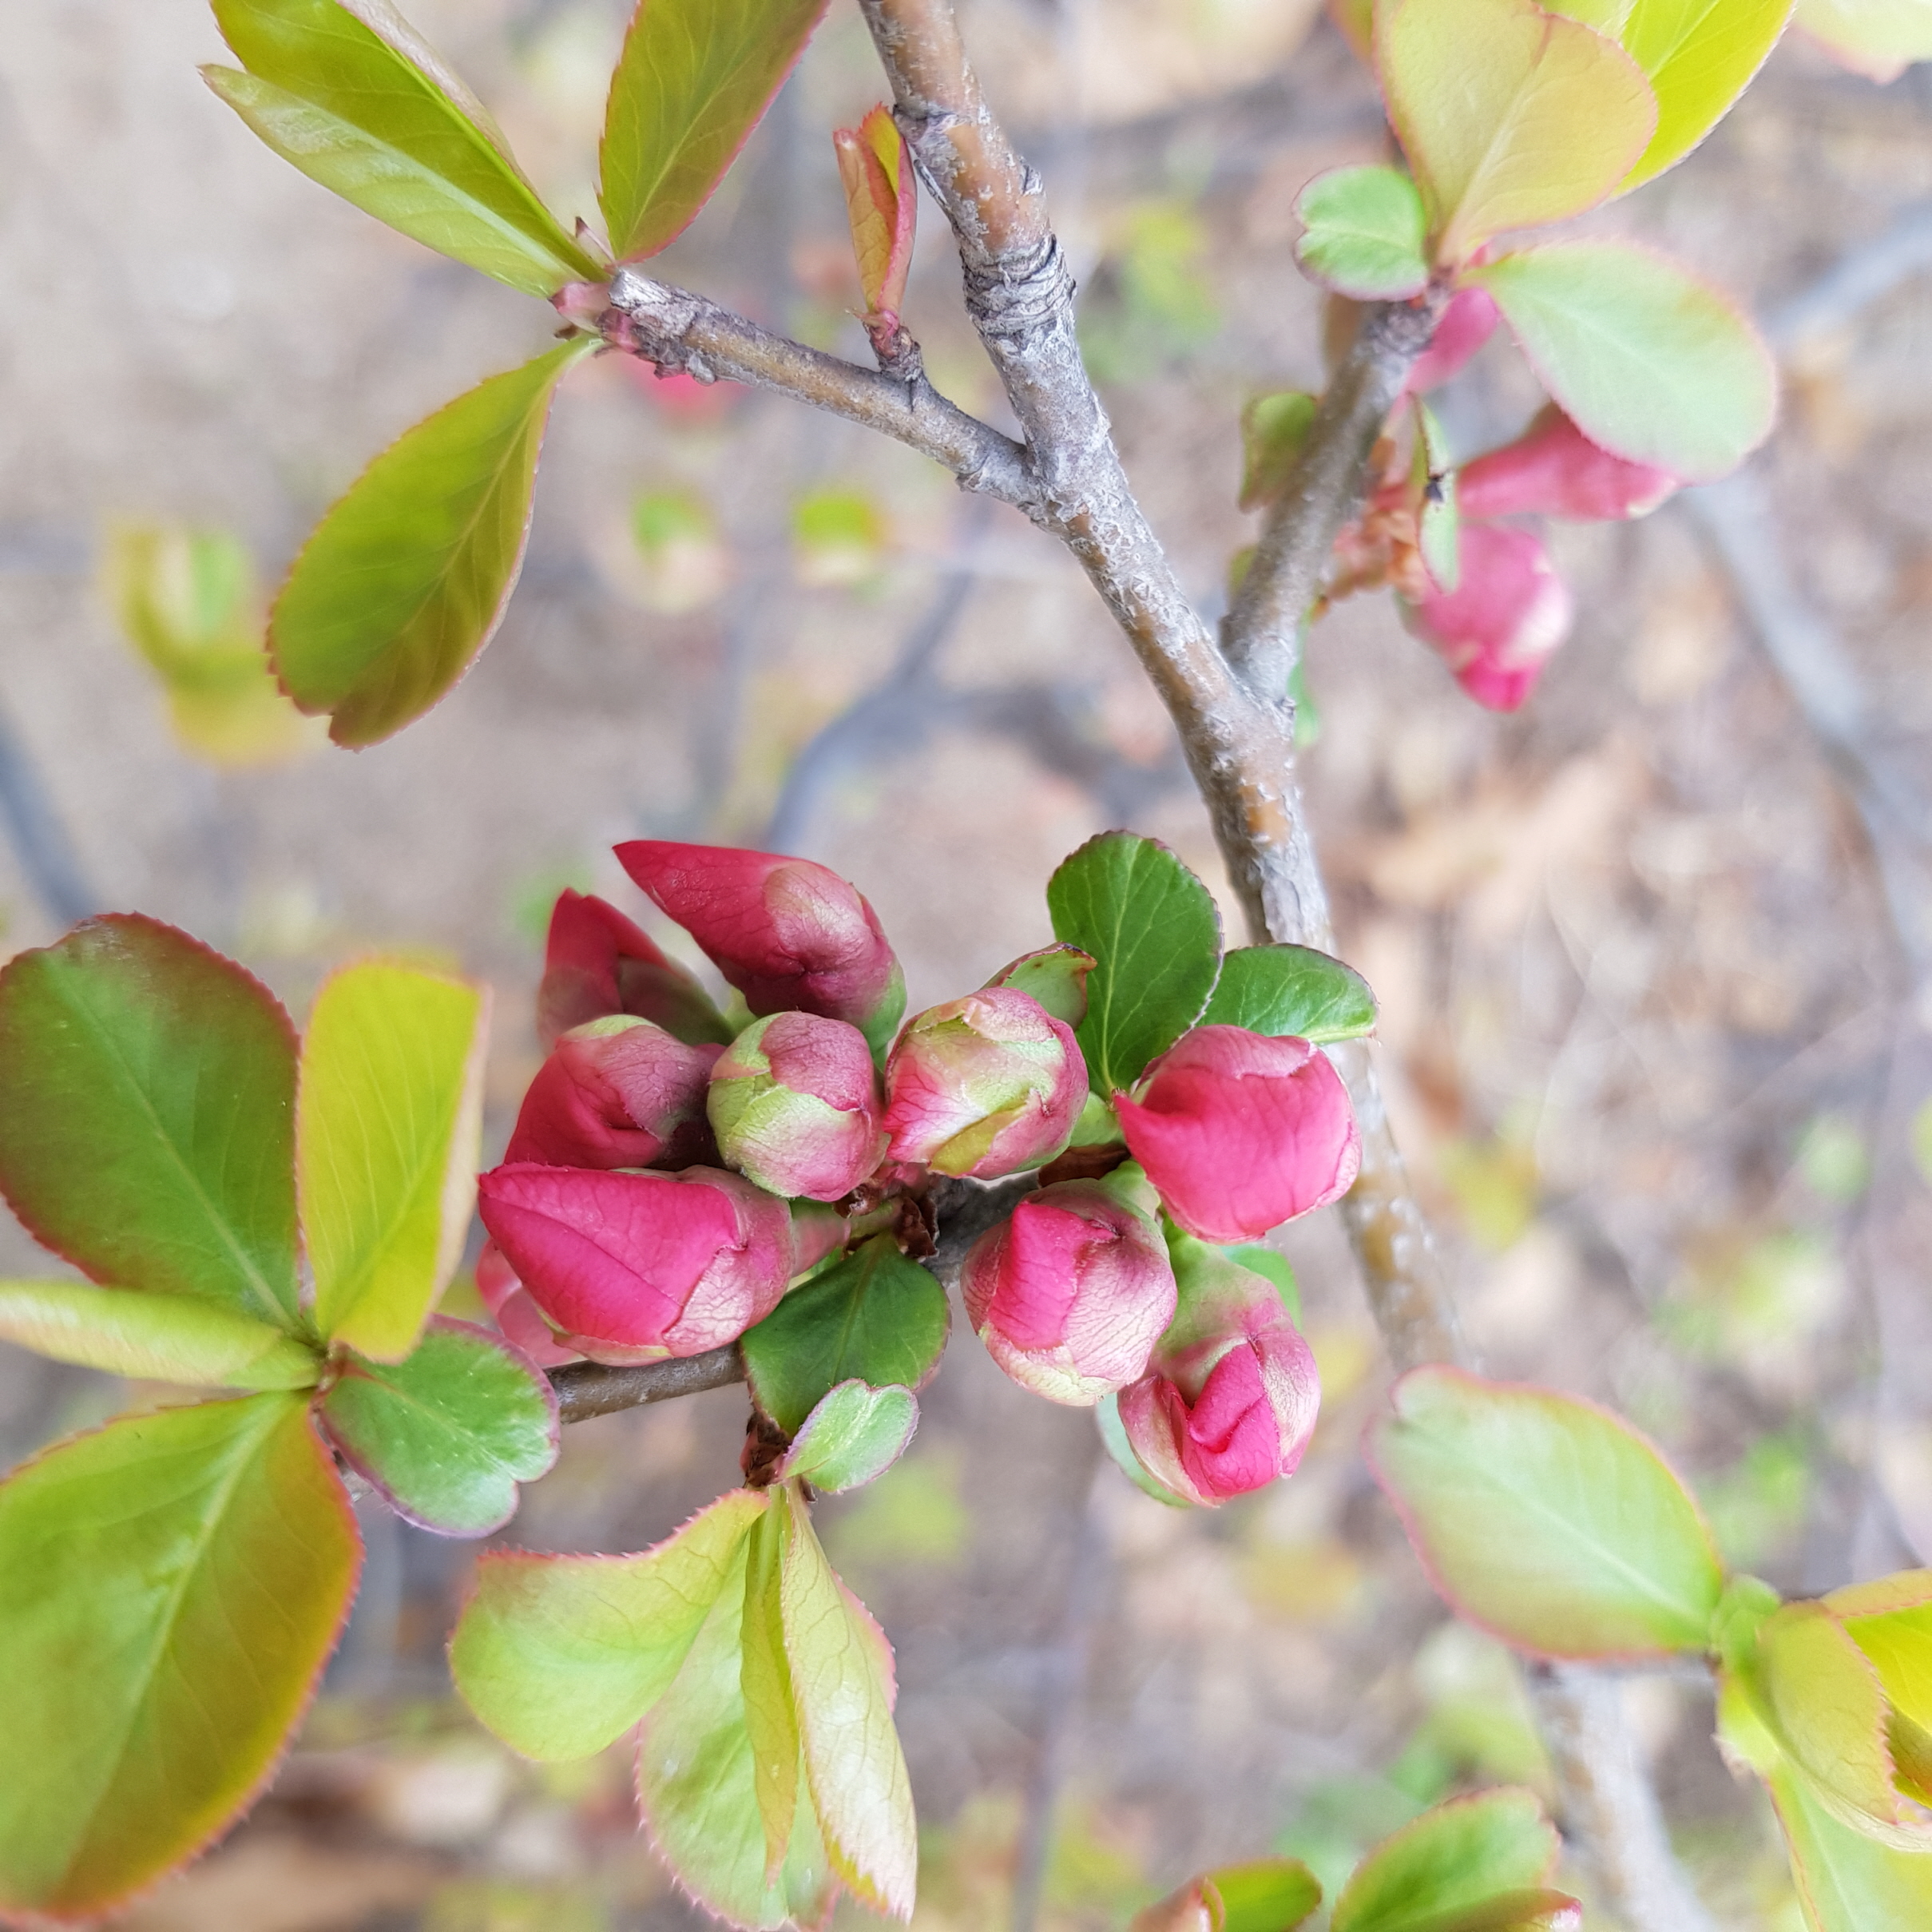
881,200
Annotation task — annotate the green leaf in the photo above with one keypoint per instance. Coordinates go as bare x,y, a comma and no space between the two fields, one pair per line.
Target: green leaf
389,1116
1269,1895
1650,362
1273,429
696,1785
158,1337
1891,1621
1546,1520
694,78
147,1103
1153,926
842,1680
405,579
1290,991
1453,1860
170,1587
764,1677
348,94
559,1656
1922,1141
1512,117
873,1317
447,1434
1699,56
854,1434
1878,38
1438,522
1366,233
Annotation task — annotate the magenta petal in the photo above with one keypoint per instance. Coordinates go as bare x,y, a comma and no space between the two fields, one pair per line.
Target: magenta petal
1553,469
1508,613
1467,324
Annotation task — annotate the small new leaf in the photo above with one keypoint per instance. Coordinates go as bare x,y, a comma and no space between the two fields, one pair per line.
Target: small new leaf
170,1587
881,200
1438,519
349,94
406,579
1648,361
1268,1895
694,78
854,1434
146,1115
1153,927
154,1336
1056,977
1273,429
1290,992
1366,234
389,1116
447,1434
1453,1866
1546,1520
873,1317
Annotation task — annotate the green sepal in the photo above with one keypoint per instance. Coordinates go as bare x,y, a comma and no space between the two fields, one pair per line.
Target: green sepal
854,1434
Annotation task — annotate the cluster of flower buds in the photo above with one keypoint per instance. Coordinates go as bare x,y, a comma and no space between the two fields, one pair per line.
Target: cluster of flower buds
673,1171
1495,622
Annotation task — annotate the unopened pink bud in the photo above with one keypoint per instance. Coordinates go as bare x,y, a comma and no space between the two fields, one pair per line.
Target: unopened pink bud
1240,1132
1070,1293
984,1085
1553,469
582,304
518,1318
633,1268
1509,610
791,936
794,1102
617,1092
1467,324
597,962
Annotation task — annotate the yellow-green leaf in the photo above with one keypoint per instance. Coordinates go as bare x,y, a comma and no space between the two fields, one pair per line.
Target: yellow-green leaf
1699,56
765,1680
1878,38
1890,1621
1511,117
1448,1863
405,579
842,1680
170,1587
560,1655
350,95
694,78
1649,362
388,1119
157,1337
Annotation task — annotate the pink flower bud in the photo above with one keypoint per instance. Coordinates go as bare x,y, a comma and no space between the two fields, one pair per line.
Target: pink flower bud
795,1104
518,1318
1553,469
617,1092
1508,613
1467,324
633,1268
1070,1294
789,935
596,963
1240,1133
986,1086
1231,1395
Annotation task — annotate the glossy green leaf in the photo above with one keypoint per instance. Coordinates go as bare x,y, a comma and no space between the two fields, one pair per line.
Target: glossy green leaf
764,1677
389,1116
1650,363
158,1338
1453,1860
1268,1895
1878,38
170,1587
696,1790
694,78
854,1434
1512,117
872,1317
1366,233
405,579
1546,1520
447,1434
1273,429
350,96
147,1105
1290,991
559,1656
841,1680
1153,926
1699,56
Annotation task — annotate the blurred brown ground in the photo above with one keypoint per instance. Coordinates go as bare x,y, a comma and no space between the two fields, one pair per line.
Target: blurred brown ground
1653,1036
